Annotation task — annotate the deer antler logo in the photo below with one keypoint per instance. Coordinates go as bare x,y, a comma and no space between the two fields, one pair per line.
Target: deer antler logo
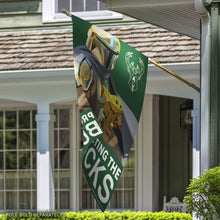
135,69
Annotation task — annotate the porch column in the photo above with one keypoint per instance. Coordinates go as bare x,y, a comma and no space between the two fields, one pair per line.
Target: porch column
196,138
147,156
214,86
45,183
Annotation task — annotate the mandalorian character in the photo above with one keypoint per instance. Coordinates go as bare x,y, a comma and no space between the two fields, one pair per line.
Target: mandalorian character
93,64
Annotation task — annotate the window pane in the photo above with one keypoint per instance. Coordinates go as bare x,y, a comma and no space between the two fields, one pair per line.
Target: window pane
64,139
34,163
11,160
64,200
1,161
1,181
34,123
129,179
120,183
24,160
64,179
1,120
91,5
34,180
116,200
24,119
56,199
11,120
2,200
130,163
64,159
56,118
11,180
56,139
10,140
56,159
128,199
64,118
24,200
84,182
24,140
62,4
102,6
88,200
56,179
11,200
77,5
25,180
34,140
34,200
1,140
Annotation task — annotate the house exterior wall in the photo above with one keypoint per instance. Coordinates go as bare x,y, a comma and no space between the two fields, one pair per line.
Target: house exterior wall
44,95
17,15
45,89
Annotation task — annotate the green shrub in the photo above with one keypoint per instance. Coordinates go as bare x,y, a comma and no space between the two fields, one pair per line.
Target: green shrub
203,194
126,215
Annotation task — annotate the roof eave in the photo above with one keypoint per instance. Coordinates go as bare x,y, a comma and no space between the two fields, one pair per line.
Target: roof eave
177,16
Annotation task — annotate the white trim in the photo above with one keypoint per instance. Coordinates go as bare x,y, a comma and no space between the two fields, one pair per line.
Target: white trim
161,83
205,83
48,9
49,15
146,155
43,75
196,138
189,71
45,180
74,198
16,84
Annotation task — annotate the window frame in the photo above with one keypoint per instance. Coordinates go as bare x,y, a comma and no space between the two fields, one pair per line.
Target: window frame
57,190
32,190
49,15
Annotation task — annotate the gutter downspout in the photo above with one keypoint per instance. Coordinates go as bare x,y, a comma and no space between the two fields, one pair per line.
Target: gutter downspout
205,83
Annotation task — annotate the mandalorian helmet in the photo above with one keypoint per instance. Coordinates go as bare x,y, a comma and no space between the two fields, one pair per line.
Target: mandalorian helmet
103,46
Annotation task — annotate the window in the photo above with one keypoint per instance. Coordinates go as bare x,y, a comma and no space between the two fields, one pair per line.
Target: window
62,158
123,196
17,159
86,9
79,5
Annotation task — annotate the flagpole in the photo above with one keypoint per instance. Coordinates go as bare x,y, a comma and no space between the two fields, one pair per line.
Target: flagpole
64,11
175,75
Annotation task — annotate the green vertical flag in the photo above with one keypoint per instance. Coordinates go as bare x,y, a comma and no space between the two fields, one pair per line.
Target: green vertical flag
110,78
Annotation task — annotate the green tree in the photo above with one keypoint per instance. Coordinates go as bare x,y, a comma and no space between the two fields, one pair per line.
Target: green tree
203,194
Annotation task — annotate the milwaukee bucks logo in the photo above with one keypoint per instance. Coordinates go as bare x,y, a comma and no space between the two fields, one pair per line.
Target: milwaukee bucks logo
135,67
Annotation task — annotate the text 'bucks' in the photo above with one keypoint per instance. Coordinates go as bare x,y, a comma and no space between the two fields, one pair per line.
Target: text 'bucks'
102,168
